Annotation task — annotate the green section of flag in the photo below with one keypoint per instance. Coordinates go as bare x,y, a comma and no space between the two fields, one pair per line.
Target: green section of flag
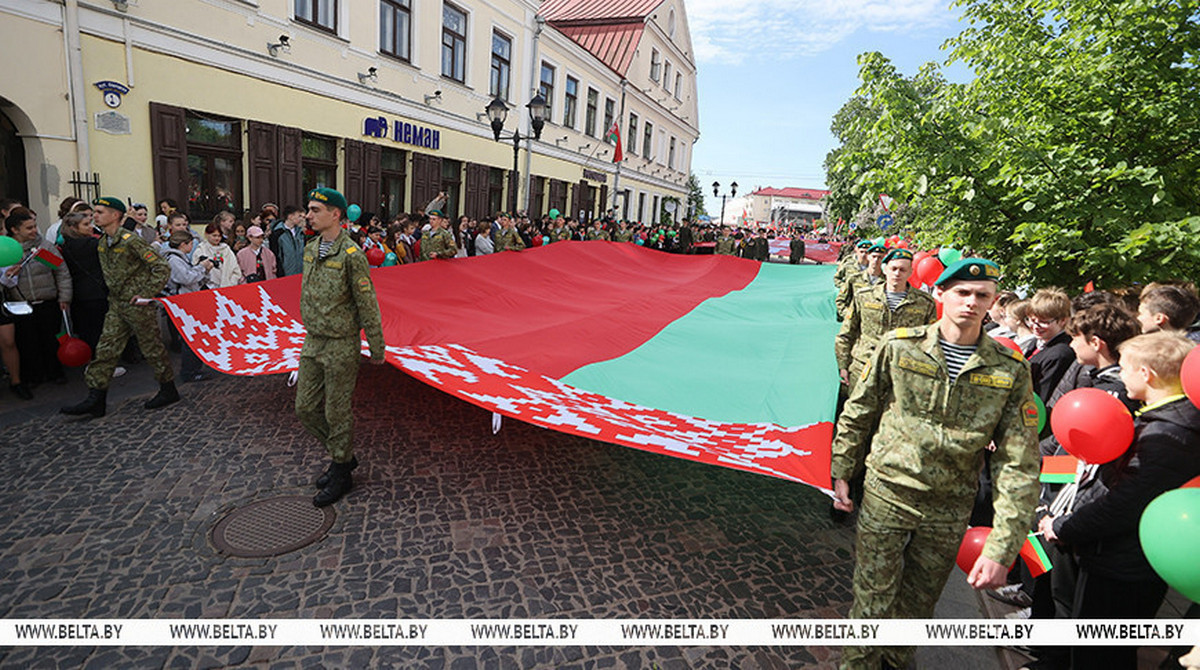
1053,478
763,354
1043,558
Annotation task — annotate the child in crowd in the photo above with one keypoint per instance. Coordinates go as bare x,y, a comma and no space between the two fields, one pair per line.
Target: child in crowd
1051,354
1169,307
1115,579
1016,317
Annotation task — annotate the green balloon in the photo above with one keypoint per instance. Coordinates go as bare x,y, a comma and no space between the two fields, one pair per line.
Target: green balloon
1170,535
948,256
1041,406
11,252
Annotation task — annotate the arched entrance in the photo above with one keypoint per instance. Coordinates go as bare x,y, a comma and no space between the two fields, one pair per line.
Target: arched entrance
12,162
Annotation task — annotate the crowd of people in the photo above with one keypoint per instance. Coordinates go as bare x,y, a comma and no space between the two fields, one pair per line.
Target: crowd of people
939,431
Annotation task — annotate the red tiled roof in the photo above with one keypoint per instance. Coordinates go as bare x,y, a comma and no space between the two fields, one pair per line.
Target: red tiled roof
602,11
799,193
614,45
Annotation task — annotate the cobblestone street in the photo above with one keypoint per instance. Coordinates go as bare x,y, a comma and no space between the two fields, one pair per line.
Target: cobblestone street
110,518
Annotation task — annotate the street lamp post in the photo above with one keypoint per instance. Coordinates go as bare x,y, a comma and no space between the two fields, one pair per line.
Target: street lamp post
717,193
497,112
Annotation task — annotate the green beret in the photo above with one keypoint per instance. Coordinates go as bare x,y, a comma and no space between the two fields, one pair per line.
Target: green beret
109,201
436,212
863,244
328,197
898,255
969,269
877,248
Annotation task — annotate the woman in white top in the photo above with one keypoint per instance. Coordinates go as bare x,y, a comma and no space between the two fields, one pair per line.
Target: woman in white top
226,271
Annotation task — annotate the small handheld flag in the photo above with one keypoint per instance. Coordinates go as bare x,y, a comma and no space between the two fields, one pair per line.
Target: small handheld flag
1058,469
1034,555
47,258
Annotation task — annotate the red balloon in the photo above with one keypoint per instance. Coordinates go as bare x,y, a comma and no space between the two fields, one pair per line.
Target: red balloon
930,269
903,244
1092,425
972,547
1190,376
940,307
375,256
74,352
1008,343
914,281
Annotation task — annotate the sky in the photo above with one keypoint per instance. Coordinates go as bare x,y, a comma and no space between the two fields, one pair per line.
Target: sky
772,73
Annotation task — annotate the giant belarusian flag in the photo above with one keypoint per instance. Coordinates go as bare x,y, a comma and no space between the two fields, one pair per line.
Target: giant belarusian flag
714,359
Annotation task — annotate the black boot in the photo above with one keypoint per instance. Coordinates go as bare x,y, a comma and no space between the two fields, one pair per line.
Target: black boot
167,394
96,404
323,480
338,486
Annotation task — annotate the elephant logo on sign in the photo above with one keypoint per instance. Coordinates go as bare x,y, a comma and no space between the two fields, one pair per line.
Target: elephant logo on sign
377,127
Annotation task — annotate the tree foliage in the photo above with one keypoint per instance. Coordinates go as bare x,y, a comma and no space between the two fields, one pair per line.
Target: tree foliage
1072,155
695,200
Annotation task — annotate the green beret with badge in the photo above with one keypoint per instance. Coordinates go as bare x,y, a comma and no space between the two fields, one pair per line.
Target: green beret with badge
969,269
110,202
863,244
877,248
436,212
898,255
328,197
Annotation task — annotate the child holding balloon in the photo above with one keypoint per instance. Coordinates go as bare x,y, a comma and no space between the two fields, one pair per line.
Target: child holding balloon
1116,581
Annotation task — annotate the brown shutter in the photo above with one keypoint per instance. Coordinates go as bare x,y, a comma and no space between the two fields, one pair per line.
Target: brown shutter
372,189
475,202
263,160
537,188
354,174
603,199
290,176
427,179
168,139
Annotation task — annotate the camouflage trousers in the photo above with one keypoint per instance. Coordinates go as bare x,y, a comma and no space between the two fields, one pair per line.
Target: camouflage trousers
120,323
324,389
904,556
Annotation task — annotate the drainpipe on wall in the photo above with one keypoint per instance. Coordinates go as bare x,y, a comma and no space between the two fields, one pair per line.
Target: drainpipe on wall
75,86
535,78
620,123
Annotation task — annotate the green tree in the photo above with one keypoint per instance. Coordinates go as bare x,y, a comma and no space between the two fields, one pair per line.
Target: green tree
1072,155
695,199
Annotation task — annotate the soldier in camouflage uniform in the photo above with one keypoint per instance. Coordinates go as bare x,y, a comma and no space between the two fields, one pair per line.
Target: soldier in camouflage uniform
726,245
337,302
855,261
133,271
623,234
926,423
872,275
871,315
507,238
439,243
597,232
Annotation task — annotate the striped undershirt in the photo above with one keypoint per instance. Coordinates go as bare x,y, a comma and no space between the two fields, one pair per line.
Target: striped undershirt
895,298
324,248
956,357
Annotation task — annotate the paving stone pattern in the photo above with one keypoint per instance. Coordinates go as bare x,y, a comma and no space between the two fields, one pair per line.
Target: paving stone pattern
109,519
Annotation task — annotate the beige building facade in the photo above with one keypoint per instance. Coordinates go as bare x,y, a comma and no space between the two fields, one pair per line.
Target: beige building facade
231,104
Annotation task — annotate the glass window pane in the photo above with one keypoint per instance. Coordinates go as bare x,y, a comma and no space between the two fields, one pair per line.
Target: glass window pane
225,183
501,46
393,160
454,20
212,131
318,147
303,9
387,30
326,12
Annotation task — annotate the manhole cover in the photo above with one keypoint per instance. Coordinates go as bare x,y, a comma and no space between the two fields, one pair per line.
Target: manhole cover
271,527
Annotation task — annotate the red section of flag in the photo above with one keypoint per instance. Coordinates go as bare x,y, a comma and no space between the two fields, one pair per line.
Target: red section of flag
1035,557
47,257
614,136
1059,465
1089,287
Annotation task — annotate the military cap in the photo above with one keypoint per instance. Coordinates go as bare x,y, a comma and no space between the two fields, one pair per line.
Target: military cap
969,269
898,255
111,202
329,197
863,244
877,248
436,212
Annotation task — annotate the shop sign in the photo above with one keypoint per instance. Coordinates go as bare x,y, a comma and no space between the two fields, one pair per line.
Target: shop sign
594,175
403,132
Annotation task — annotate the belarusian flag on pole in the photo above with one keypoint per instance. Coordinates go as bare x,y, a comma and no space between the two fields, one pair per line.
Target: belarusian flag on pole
1034,555
614,136
1058,469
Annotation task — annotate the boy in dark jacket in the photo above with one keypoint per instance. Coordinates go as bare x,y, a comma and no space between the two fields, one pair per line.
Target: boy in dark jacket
1115,579
1050,355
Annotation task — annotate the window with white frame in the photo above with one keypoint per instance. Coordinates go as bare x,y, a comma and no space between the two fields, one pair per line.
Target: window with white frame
655,64
610,113
648,141
631,139
546,87
395,28
671,155
589,116
678,85
667,76
501,65
570,102
454,43
317,13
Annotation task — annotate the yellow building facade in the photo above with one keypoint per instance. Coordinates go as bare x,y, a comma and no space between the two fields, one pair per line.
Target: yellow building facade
232,104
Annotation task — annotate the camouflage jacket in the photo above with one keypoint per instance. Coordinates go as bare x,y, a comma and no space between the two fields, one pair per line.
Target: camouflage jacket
868,319
854,282
337,298
594,234
560,234
440,244
927,437
845,268
508,239
131,267
726,246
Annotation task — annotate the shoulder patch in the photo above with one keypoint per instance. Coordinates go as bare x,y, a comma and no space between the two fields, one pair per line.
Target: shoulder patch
1015,355
125,236
364,284
149,255
1029,413
351,249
